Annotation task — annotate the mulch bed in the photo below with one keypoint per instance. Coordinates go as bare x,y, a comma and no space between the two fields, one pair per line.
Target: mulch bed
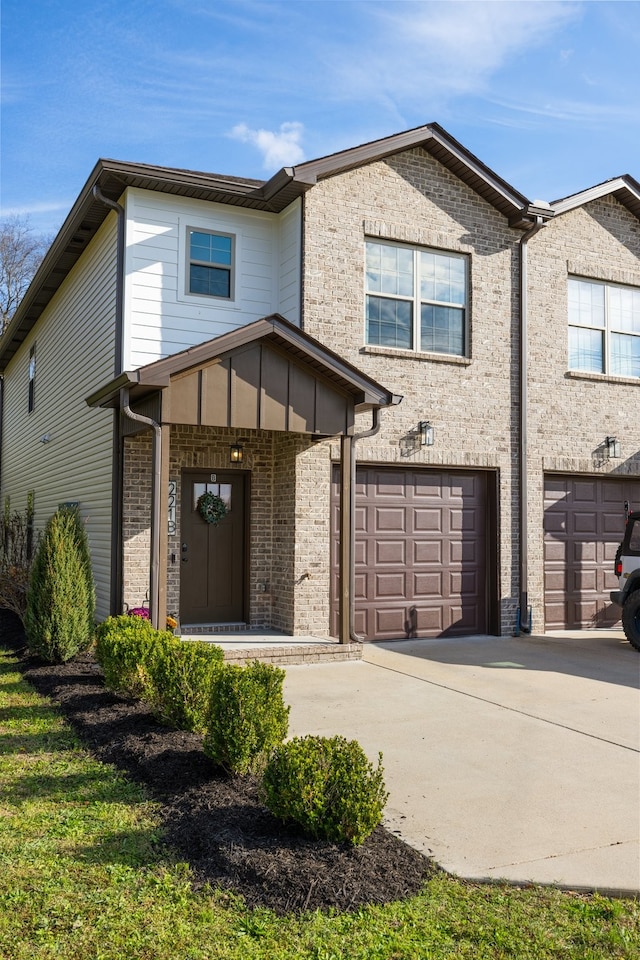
217,823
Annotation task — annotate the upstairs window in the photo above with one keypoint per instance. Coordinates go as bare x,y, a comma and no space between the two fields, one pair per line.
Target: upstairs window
416,299
210,264
32,378
604,328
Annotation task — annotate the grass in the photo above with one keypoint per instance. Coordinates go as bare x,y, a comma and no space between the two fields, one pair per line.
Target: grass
84,875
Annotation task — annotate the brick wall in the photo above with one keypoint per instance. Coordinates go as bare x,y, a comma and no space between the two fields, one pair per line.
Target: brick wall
470,401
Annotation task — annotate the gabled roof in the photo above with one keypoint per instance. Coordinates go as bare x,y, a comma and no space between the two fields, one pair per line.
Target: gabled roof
274,331
113,177
624,189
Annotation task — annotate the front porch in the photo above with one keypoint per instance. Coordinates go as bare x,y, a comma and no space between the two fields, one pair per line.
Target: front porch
270,646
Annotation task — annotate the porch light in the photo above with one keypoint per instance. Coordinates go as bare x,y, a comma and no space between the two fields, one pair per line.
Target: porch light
236,453
612,445
427,435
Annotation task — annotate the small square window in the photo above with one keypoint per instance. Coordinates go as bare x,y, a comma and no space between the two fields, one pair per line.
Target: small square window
211,261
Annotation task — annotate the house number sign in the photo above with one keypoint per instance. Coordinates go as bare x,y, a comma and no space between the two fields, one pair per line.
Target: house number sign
173,487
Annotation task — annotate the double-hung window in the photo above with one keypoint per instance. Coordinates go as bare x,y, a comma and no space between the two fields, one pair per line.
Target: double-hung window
416,299
604,328
210,264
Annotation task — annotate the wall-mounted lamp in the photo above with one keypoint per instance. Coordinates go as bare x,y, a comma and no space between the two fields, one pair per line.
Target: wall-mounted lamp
427,434
45,438
612,447
236,453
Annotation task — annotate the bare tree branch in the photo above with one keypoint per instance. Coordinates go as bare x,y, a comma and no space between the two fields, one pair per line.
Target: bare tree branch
21,253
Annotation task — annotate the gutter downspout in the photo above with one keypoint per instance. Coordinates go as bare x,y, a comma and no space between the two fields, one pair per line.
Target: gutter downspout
117,478
154,579
524,619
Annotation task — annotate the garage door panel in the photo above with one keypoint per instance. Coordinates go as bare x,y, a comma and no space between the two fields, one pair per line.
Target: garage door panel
425,553
585,522
390,585
578,559
389,518
427,585
555,551
428,519
391,552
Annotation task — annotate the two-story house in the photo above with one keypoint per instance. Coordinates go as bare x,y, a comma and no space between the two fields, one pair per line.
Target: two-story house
396,372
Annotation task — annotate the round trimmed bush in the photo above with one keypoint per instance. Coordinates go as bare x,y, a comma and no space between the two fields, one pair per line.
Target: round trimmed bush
327,786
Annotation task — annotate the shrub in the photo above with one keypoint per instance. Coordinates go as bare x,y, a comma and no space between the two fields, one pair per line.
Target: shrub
16,558
125,648
182,674
247,716
60,605
327,786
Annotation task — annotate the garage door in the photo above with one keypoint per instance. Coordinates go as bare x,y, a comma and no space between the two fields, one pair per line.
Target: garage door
583,524
421,553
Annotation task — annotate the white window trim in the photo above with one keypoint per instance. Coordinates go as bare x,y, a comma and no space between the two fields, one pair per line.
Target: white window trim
417,300
607,329
185,224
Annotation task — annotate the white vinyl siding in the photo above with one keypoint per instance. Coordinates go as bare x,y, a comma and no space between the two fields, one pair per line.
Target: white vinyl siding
75,349
162,318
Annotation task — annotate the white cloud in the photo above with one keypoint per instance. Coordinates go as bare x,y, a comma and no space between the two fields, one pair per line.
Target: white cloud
281,149
424,49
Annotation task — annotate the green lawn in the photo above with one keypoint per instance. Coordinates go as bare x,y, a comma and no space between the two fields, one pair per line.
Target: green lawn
84,875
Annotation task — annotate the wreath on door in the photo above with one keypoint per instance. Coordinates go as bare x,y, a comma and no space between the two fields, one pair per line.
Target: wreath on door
212,508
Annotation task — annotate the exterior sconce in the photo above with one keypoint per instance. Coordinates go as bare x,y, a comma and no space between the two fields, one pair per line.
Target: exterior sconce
236,453
612,446
427,434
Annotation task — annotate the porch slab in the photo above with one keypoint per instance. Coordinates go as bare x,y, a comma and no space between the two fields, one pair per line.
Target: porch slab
244,646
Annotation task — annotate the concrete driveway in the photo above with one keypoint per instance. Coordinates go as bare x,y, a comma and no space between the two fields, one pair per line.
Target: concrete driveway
514,758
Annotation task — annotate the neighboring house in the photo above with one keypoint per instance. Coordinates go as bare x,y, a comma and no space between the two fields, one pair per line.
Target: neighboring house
397,306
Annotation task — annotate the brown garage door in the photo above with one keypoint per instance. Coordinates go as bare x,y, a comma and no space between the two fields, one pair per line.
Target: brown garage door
421,553
583,524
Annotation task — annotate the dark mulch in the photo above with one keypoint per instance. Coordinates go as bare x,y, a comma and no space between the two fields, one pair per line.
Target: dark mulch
216,823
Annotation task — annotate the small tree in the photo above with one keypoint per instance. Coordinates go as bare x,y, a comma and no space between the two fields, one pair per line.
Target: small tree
16,557
21,252
60,599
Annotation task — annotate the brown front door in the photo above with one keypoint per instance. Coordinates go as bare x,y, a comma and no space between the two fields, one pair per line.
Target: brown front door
212,558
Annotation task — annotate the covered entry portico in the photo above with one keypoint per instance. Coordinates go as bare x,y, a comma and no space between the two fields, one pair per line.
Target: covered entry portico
276,392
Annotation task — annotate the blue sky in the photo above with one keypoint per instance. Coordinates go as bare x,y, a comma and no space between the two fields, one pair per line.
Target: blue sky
546,93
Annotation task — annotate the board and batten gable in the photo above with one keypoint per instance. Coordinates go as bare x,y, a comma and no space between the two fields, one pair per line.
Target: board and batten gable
74,349
161,317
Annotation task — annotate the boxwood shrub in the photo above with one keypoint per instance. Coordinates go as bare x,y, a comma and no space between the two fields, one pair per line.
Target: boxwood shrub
327,786
182,677
247,716
125,647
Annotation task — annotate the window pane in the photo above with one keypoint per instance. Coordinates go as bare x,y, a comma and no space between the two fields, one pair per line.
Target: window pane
585,349
211,248
389,269
625,355
389,322
586,303
442,330
212,281
624,309
442,278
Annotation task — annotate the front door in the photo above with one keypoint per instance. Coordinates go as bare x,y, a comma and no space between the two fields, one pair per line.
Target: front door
212,558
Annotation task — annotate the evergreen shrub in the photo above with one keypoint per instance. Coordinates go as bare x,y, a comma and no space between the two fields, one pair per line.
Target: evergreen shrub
125,649
247,716
60,603
327,786
182,675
